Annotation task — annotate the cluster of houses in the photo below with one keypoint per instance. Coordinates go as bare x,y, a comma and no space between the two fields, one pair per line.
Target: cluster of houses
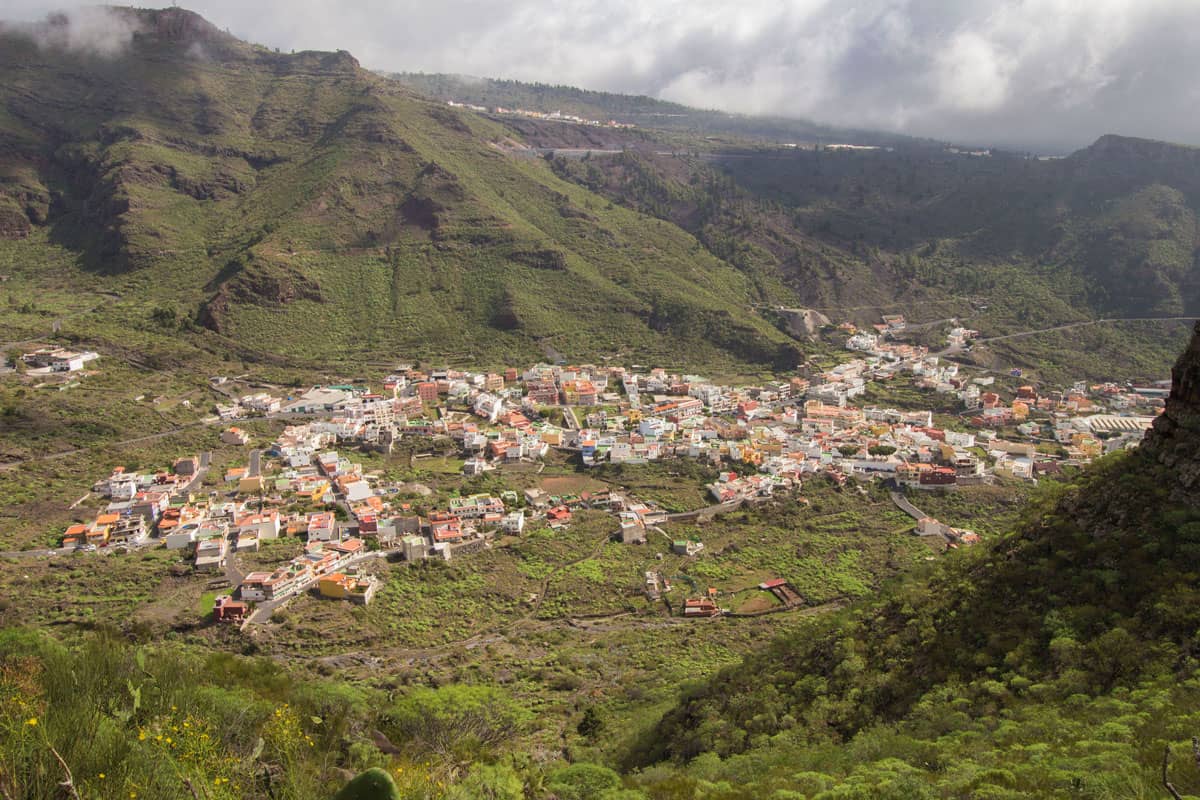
138,503
552,116
328,567
763,439
782,430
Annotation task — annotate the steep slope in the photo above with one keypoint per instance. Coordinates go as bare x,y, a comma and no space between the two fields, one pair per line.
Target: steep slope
1110,230
1174,441
297,204
1093,594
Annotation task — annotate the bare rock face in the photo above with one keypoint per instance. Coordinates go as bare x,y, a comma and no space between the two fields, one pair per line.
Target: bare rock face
1175,438
13,224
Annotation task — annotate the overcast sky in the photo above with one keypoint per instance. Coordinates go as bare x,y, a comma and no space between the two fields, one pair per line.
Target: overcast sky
1041,74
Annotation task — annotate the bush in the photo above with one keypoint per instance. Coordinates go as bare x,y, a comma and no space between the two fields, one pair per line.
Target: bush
457,722
583,782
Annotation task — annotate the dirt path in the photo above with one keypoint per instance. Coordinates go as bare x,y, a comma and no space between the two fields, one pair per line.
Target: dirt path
1068,326
8,465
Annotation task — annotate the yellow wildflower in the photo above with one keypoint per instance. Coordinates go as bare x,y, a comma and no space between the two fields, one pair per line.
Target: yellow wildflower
31,722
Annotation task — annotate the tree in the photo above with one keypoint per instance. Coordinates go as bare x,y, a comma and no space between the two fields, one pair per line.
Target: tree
14,357
591,724
848,450
374,784
881,449
165,317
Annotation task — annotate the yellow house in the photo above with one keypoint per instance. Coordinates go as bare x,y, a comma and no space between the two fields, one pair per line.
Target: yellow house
1020,410
335,585
252,485
752,456
344,587
770,447
552,437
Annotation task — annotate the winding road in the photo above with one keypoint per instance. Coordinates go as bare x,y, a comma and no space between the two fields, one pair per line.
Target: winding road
1067,326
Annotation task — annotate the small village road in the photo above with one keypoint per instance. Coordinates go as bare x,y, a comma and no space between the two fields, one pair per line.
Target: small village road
1067,326
8,465
907,507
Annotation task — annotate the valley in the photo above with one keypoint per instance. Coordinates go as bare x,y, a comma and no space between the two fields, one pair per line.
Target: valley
520,441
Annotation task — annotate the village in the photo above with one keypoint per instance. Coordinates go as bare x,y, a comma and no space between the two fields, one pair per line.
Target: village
551,116
761,441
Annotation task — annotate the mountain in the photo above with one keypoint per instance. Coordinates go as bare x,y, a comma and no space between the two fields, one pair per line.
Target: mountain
1005,242
297,206
298,209
1090,604
639,110
1111,229
1121,219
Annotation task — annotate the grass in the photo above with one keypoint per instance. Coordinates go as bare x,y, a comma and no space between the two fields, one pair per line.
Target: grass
207,601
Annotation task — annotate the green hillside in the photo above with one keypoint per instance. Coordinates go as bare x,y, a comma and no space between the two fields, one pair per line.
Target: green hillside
1058,660
1004,243
299,206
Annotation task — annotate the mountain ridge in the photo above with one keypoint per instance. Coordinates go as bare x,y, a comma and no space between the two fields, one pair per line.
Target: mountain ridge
297,205
276,187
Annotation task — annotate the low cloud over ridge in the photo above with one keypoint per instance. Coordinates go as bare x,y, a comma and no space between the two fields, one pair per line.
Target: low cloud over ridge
1041,74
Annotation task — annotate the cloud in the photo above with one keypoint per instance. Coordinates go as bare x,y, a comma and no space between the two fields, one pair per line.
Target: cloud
95,30
1042,74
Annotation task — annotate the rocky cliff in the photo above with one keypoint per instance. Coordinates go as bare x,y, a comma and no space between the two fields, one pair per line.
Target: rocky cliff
1175,437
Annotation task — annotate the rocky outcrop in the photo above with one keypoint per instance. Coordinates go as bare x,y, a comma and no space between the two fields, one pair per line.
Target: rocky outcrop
13,223
1175,438
543,258
260,284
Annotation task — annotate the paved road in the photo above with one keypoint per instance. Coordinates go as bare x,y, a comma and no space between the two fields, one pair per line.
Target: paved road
904,505
201,471
1068,326
717,508
233,570
255,464
66,551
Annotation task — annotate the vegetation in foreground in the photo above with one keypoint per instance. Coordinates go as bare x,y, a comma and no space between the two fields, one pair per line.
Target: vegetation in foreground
1057,660
1010,671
